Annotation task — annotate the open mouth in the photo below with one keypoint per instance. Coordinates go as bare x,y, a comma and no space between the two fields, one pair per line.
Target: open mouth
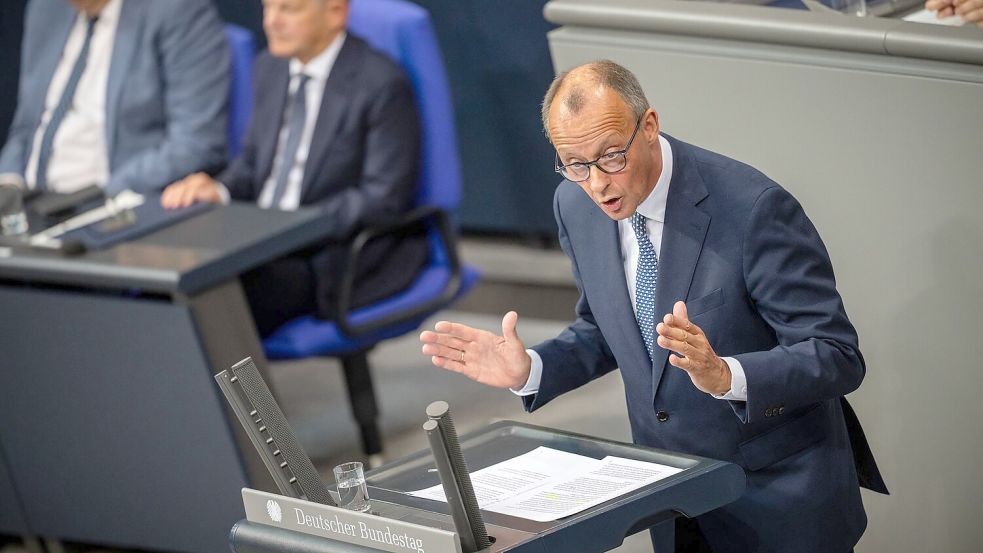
613,204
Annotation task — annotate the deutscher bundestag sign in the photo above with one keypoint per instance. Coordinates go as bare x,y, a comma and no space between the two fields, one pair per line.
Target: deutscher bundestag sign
335,523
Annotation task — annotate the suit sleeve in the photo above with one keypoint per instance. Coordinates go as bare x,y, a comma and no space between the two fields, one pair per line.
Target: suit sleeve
579,354
13,157
240,177
391,164
790,280
194,60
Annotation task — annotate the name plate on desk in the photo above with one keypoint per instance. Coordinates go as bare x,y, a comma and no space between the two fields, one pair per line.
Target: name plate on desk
335,523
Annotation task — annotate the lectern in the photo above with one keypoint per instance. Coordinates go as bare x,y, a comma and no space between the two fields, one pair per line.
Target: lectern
276,524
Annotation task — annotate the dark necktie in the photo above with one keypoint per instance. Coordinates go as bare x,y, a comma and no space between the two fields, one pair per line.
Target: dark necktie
64,103
646,279
297,113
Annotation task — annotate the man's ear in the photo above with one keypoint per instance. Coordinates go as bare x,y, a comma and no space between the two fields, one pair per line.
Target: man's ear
650,125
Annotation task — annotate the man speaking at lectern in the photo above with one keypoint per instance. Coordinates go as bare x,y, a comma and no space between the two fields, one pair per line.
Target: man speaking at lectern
707,285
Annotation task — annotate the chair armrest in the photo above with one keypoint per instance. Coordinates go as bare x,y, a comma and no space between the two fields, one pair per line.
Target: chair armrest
418,219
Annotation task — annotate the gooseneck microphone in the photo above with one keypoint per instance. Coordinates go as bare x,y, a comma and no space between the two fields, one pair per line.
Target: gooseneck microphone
454,477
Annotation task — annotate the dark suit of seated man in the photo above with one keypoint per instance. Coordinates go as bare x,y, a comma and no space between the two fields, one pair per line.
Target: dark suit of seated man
118,93
335,126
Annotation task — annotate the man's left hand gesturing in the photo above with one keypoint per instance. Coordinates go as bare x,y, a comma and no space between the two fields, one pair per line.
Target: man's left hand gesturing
693,352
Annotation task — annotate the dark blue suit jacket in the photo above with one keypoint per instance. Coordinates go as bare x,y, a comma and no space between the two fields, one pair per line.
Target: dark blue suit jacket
362,166
756,278
165,99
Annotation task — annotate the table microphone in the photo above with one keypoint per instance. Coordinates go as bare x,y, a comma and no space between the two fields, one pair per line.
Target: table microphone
70,247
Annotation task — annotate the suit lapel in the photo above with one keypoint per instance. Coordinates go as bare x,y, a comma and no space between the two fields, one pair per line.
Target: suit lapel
266,140
604,251
125,46
334,105
682,241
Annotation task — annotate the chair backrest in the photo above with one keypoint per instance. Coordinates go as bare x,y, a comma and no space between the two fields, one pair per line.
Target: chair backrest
403,31
242,50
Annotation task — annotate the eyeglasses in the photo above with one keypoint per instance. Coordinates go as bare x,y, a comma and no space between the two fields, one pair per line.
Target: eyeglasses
608,163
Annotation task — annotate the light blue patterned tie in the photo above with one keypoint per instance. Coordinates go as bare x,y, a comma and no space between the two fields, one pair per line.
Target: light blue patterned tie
64,103
297,112
646,279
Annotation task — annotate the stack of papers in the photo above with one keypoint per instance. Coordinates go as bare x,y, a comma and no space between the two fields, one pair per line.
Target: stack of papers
925,16
546,484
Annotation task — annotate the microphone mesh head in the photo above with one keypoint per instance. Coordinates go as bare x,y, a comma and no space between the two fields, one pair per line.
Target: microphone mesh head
283,436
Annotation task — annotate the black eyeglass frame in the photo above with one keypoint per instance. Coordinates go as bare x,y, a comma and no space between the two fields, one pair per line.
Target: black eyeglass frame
587,164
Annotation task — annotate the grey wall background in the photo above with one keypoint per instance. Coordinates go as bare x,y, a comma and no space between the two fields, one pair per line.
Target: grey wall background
884,155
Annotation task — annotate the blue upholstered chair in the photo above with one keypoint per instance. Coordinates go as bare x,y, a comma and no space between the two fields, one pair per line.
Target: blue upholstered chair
242,50
404,32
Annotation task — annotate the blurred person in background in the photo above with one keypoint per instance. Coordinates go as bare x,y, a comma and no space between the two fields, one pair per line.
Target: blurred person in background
334,126
124,94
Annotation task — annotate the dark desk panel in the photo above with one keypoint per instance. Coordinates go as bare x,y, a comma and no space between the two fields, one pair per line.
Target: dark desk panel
113,429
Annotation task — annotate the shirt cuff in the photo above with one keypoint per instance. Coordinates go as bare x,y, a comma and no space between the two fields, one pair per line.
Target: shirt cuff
738,381
535,375
223,194
13,179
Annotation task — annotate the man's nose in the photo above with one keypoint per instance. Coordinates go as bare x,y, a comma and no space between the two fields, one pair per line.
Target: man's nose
598,179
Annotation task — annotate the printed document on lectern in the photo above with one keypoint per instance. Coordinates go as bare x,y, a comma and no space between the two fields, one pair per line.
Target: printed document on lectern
546,484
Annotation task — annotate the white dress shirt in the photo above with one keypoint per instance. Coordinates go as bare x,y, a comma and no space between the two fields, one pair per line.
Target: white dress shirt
79,154
318,69
654,210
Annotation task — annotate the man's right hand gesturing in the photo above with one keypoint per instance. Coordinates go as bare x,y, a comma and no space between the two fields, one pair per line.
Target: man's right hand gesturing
499,361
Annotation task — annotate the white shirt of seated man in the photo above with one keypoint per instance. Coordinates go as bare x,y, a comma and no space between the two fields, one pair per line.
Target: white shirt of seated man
79,156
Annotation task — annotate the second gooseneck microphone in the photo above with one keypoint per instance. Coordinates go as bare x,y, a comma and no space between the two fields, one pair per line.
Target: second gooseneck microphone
455,479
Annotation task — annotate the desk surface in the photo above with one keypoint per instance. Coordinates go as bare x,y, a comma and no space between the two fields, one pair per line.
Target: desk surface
188,257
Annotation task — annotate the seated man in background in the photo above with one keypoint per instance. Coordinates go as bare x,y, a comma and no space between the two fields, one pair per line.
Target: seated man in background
125,94
334,125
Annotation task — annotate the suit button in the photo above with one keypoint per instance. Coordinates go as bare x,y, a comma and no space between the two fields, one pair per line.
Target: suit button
781,410
769,412
662,416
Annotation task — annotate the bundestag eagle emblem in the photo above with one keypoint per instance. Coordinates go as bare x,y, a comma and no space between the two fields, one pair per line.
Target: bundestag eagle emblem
273,509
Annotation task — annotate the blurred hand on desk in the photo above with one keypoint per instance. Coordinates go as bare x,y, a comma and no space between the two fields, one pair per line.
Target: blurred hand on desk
195,188
970,10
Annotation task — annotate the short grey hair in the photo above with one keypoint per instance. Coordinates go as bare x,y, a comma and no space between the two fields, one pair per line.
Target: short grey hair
604,72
